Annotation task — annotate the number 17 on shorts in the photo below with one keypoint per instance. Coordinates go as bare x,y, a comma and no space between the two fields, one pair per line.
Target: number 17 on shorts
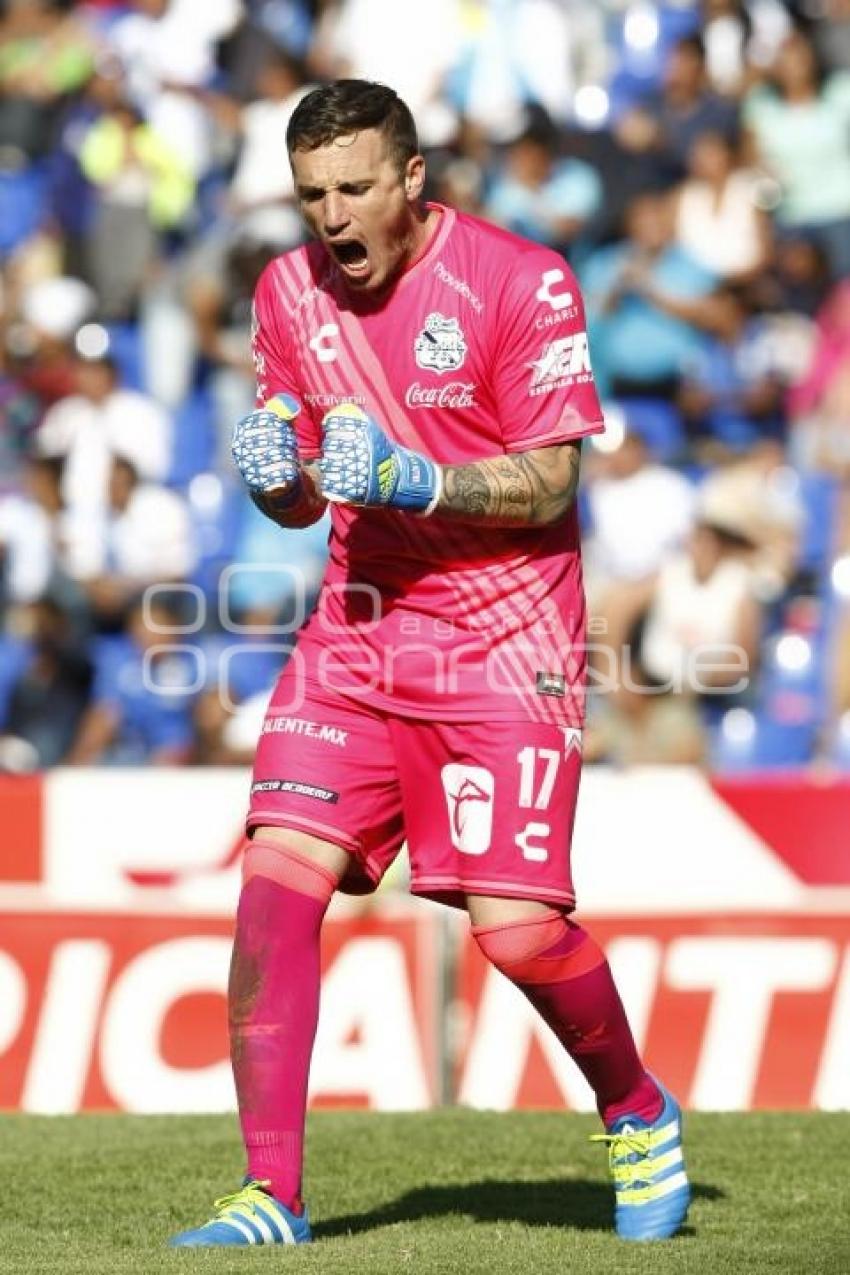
507,814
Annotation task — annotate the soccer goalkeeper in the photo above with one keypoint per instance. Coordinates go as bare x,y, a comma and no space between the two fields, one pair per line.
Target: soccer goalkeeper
429,376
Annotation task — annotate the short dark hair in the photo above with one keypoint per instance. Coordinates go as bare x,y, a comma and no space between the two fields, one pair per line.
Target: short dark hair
692,43
349,106
105,360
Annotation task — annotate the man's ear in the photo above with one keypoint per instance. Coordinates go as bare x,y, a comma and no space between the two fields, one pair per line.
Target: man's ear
414,177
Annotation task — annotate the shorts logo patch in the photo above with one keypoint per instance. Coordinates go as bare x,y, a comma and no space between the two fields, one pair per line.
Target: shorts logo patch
469,802
294,785
551,684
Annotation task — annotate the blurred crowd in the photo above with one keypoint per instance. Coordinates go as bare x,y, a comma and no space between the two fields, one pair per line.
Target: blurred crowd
691,160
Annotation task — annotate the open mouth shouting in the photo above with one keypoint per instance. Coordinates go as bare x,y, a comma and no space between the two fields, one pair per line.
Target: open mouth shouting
352,257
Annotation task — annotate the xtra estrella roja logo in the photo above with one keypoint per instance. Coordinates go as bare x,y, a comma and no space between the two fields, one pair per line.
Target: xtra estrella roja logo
562,362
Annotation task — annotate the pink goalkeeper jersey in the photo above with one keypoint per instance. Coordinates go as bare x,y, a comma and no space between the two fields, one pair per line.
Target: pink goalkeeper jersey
480,350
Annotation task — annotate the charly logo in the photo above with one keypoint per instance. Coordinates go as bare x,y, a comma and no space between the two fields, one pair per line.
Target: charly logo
322,343
452,394
469,801
557,300
440,346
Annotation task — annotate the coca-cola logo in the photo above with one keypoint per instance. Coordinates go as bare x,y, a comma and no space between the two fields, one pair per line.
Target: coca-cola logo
453,394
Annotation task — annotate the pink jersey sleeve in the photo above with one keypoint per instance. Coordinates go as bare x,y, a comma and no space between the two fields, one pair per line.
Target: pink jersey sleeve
542,376
274,361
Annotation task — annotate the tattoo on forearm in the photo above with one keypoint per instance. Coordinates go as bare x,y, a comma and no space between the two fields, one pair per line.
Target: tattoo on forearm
470,489
528,489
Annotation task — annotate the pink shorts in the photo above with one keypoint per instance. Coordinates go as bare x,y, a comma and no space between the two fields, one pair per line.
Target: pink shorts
485,808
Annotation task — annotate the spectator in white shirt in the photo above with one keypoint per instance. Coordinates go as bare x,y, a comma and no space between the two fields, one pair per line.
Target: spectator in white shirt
29,523
145,538
641,510
167,48
703,625
262,191
86,428
363,38
717,212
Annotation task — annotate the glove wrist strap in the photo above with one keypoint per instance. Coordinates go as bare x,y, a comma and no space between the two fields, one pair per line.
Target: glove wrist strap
438,491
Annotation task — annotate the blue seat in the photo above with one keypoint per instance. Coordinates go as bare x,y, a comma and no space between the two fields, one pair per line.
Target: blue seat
659,424
820,495
737,431
732,741
783,726
125,347
276,566
194,438
15,655
784,745
762,742
23,205
217,510
585,513
640,66
795,676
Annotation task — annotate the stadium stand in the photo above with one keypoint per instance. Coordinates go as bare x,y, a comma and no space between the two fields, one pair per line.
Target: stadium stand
654,144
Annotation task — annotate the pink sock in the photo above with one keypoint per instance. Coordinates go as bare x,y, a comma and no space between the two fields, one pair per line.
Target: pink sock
273,1003
565,975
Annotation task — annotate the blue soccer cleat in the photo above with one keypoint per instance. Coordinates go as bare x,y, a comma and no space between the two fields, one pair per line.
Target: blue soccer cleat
248,1216
651,1190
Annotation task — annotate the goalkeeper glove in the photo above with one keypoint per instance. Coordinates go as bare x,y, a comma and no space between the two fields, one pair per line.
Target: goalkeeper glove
361,466
265,449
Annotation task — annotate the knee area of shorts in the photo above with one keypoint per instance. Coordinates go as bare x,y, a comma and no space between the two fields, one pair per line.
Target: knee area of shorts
507,946
272,861
549,949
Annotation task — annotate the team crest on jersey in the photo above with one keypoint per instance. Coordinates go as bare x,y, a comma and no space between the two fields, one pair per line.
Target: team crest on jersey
440,346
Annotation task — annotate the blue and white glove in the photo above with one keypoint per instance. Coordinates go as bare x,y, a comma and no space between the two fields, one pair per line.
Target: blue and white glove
361,466
265,448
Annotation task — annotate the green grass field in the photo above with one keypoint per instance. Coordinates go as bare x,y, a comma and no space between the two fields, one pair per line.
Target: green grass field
523,1193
